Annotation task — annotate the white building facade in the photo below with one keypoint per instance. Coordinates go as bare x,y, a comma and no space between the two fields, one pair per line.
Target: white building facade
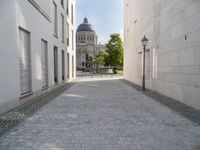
37,47
173,59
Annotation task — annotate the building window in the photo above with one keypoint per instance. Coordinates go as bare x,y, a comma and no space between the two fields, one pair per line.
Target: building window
44,57
63,65
72,14
62,3
55,64
67,7
63,28
55,19
24,60
72,66
67,34
72,40
68,69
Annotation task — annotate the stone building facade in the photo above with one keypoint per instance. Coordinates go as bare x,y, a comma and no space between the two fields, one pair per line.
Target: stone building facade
173,59
37,47
86,45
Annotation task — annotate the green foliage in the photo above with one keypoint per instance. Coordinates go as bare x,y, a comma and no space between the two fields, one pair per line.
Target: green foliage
100,58
115,52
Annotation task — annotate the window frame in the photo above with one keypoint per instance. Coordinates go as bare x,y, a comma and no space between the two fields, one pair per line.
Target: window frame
55,21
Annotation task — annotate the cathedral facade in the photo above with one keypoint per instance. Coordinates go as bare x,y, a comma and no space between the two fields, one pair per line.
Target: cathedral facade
87,46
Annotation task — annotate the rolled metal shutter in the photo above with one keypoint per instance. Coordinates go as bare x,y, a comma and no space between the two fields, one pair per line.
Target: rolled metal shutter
24,59
44,56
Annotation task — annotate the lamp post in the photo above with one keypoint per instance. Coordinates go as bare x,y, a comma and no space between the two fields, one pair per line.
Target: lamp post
144,44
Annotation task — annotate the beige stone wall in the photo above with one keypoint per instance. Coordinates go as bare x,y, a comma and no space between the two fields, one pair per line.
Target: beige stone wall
91,49
173,62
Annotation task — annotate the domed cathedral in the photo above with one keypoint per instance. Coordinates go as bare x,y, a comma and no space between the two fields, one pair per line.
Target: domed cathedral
86,34
86,45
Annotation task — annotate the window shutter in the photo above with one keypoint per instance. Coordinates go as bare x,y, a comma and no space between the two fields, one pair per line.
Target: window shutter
24,59
44,57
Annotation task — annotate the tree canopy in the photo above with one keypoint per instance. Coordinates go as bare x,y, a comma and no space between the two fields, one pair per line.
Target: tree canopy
115,52
100,58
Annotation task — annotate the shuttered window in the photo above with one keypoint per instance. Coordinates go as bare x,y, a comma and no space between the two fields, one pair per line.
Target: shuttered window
55,19
24,59
44,57
63,65
72,14
62,3
63,28
55,64
67,29
67,7
68,65
72,66
73,40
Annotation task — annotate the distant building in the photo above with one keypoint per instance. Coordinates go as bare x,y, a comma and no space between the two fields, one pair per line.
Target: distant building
86,45
37,48
173,59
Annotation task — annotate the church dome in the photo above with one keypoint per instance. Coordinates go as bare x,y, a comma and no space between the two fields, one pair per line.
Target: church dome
85,26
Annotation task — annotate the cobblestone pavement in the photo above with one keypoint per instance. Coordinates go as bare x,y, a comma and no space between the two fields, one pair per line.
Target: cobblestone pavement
103,115
19,114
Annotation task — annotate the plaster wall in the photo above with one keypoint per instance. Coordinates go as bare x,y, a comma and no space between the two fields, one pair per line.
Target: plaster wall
17,14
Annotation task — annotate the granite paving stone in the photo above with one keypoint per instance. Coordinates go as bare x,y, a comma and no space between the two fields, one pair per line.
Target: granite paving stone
103,114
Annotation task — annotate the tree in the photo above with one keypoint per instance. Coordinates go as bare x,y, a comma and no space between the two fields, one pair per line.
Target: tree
99,59
115,52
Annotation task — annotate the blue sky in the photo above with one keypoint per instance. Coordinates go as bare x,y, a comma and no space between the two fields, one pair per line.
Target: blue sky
106,16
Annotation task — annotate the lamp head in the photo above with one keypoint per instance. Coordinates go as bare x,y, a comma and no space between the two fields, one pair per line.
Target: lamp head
144,41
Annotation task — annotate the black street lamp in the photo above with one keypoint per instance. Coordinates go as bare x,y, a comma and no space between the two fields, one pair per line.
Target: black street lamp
144,44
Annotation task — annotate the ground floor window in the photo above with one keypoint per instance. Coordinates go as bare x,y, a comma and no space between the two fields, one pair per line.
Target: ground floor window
55,64
44,57
63,65
68,70
72,66
25,61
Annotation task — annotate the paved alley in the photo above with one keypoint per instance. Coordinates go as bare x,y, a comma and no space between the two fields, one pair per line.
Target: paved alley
103,115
